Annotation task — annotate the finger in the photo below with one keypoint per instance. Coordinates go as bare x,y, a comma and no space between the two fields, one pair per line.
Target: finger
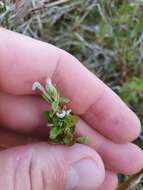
23,113
120,158
110,181
32,60
45,167
10,139
25,117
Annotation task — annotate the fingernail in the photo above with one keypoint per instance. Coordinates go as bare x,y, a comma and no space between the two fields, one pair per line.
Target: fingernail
84,175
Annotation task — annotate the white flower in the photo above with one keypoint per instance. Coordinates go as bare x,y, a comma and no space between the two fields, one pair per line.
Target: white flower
49,82
51,90
49,86
61,114
68,111
37,85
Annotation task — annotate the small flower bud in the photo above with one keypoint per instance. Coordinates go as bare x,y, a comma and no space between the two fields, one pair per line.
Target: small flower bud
68,111
37,85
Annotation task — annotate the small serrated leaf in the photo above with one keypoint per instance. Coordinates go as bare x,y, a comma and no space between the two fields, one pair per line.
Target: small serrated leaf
68,139
54,132
55,106
82,140
52,91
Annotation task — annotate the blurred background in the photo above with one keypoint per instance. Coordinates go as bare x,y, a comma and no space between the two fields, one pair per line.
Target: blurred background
105,35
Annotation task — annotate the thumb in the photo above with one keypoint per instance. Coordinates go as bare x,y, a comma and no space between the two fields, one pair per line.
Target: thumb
50,167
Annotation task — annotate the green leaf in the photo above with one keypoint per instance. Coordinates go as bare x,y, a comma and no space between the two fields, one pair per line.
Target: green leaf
67,130
46,114
68,139
52,91
131,89
54,132
47,98
82,140
70,120
49,116
55,106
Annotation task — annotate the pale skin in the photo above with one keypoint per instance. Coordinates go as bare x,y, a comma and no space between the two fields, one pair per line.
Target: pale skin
109,123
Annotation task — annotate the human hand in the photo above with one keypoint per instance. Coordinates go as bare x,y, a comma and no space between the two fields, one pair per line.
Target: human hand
108,122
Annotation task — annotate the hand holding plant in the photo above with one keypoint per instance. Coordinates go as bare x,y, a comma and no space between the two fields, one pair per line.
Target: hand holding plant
102,116
61,121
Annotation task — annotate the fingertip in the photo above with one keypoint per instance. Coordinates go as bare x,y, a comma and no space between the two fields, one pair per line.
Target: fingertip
137,127
90,174
110,182
135,160
132,128
128,159
85,168
125,126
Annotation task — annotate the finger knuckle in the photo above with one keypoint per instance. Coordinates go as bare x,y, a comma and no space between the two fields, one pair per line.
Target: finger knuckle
34,172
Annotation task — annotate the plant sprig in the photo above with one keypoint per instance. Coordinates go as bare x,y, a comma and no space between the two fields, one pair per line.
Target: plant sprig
61,121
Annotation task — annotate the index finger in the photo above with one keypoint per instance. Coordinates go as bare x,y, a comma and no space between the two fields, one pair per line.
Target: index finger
24,60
